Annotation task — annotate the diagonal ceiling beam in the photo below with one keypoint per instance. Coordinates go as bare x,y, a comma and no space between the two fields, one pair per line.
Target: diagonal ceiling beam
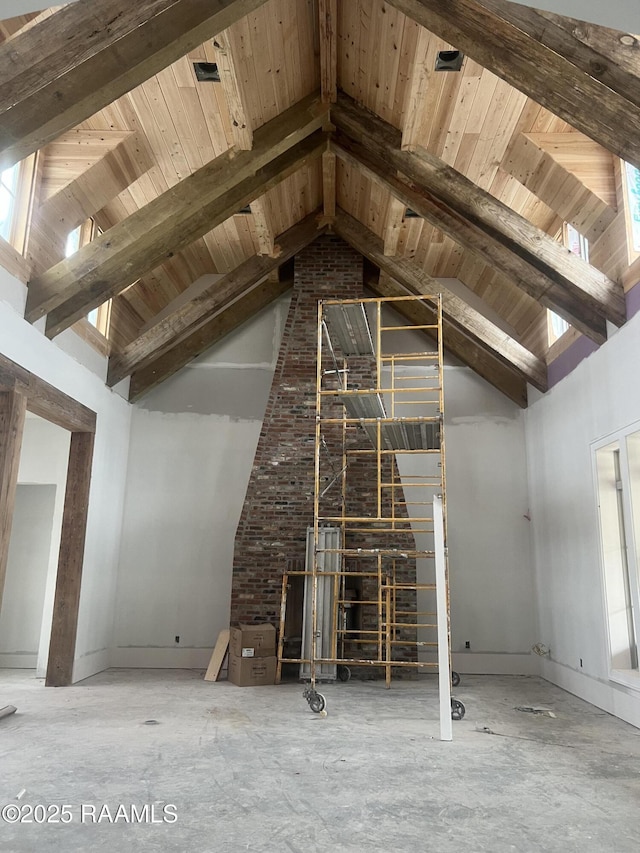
581,79
164,334
457,312
66,68
212,331
495,372
479,222
176,218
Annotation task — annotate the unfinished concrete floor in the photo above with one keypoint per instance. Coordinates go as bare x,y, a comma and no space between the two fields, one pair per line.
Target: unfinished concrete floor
252,769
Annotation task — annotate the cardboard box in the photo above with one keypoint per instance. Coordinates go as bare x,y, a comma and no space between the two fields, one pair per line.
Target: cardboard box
252,672
253,641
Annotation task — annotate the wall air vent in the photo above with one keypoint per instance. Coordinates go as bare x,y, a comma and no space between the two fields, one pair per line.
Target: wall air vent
206,72
449,60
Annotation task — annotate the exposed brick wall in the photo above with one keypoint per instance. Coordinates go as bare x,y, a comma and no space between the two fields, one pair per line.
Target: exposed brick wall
279,502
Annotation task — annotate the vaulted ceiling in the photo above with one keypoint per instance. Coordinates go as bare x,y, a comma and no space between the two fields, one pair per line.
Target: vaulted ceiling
328,114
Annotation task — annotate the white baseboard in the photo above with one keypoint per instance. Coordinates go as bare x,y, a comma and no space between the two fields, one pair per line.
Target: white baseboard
495,663
144,658
22,660
90,664
614,698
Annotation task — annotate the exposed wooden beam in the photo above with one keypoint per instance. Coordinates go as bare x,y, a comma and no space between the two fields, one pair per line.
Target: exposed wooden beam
572,70
458,313
242,128
503,378
328,16
63,70
328,34
213,300
480,223
13,407
176,218
44,400
395,219
537,162
69,577
329,185
414,106
142,381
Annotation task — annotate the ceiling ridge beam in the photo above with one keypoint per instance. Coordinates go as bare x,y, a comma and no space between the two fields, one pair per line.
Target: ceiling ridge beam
480,222
575,78
195,206
64,69
216,298
458,312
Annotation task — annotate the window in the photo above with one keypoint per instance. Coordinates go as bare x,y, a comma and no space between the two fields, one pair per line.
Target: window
99,317
73,241
618,479
631,185
16,189
575,241
8,189
579,245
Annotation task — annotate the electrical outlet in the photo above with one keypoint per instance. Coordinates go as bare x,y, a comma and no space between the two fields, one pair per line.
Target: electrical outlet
177,638
467,645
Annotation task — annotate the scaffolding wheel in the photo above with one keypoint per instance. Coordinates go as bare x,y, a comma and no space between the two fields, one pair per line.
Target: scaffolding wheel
316,700
344,673
455,678
457,710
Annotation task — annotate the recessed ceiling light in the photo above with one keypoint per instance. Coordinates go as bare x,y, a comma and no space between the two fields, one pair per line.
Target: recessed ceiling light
206,72
449,60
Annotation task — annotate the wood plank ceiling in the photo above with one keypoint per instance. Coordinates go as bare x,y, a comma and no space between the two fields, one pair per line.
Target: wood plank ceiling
143,145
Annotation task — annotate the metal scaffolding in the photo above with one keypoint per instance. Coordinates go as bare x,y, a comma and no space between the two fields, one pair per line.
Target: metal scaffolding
376,577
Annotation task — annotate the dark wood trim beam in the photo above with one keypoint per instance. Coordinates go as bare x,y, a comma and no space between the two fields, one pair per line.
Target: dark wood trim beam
458,313
212,331
160,229
13,408
574,73
74,526
66,68
480,223
166,332
46,401
497,374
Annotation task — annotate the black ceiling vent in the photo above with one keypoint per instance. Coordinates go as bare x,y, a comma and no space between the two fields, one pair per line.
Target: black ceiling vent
245,209
206,72
449,60
411,214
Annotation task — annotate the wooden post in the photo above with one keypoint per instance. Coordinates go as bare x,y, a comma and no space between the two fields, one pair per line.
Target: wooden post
13,407
74,526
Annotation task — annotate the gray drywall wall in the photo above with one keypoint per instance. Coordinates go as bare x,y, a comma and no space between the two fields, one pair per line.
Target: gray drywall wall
589,406
192,446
